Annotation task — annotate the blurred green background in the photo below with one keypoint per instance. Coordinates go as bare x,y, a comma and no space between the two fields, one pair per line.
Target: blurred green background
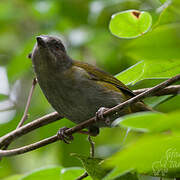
83,26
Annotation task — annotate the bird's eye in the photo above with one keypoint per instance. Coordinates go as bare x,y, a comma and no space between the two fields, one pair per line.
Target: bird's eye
56,47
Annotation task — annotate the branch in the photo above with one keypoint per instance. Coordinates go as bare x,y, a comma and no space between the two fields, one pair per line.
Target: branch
25,115
125,104
52,117
27,148
139,97
166,91
80,126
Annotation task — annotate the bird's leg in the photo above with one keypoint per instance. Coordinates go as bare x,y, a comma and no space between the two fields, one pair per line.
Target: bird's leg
91,146
63,136
93,131
100,116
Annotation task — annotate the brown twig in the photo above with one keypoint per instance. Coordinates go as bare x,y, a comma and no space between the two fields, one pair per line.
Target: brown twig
52,117
170,90
82,125
28,148
139,97
25,115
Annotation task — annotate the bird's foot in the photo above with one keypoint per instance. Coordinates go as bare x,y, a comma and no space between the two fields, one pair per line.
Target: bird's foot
63,136
100,116
93,131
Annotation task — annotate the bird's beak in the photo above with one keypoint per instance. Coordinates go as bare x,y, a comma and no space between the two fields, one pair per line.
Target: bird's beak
41,41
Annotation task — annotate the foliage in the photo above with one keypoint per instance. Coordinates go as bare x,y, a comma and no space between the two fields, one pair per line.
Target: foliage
143,53
130,24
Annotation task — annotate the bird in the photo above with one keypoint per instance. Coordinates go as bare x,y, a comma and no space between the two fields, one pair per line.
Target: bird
78,90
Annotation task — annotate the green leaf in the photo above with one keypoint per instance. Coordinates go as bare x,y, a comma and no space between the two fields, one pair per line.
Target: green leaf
13,177
132,74
156,155
149,69
148,82
170,105
130,23
72,173
93,167
125,176
169,12
161,69
161,45
151,121
143,121
155,101
47,173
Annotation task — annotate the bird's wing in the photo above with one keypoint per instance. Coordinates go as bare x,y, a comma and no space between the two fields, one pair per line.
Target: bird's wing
99,75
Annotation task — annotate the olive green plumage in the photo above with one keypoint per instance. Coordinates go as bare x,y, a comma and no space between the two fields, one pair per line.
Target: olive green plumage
77,90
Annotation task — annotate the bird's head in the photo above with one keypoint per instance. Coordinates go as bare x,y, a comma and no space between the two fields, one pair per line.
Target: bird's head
49,51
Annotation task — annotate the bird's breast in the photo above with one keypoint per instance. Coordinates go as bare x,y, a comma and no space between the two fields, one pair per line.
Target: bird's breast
77,97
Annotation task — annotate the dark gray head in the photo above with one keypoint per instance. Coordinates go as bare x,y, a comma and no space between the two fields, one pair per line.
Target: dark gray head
51,42
49,51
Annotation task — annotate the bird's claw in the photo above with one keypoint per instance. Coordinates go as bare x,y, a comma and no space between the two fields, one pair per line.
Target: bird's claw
100,116
63,136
